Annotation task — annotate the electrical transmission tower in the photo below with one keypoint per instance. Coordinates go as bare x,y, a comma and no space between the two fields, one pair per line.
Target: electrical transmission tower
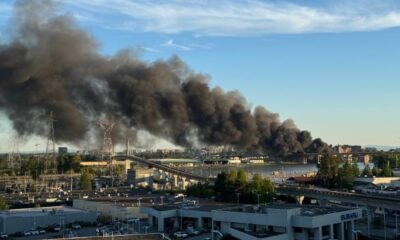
107,151
50,158
13,156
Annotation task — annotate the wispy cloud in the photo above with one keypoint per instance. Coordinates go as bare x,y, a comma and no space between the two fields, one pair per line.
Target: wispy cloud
246,17
171,43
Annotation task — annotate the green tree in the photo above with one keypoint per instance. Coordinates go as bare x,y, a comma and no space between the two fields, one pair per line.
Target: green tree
356,170
375,171
85,181
346,175
3,204
367,171
232,176
328,170
387,171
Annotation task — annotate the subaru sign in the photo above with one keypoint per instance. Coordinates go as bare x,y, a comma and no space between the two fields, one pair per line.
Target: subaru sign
349,216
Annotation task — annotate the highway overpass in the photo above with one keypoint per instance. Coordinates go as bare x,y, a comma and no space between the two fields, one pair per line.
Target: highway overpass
392,203
165,168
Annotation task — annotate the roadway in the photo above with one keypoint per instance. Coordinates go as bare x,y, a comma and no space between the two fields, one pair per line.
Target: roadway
391,203
165,168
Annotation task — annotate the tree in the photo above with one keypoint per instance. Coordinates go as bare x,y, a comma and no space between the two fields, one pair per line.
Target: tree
3,204
346,175
356,170
328,170
375,171
387,171
227,185
241,178
85,181
367,171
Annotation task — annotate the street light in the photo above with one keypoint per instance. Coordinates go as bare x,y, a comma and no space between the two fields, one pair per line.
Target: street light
139,201
258,199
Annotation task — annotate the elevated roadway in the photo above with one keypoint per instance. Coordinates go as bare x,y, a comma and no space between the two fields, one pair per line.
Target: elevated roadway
392,203
165,168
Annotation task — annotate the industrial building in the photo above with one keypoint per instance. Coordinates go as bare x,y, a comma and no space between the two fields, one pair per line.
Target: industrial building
21,220
267,222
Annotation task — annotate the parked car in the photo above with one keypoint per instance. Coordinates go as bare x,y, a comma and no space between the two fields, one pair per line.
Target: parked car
133,220
180,234
76,226
3,235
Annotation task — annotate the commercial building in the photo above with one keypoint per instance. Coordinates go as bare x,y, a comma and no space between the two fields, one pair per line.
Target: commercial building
267,222
21,220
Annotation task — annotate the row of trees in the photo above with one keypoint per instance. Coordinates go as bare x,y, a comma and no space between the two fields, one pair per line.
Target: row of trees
234,186
332,175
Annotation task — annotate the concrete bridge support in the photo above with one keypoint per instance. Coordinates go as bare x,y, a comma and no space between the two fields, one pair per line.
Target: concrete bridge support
299,199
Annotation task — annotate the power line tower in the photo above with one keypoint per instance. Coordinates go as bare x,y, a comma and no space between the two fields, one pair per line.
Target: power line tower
13,156
107,151
50,158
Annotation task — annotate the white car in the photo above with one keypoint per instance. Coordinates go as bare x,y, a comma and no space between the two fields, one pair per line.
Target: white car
180,235
3,236
76,226
133,220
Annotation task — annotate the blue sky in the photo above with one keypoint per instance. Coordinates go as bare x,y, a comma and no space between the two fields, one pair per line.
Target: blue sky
332,66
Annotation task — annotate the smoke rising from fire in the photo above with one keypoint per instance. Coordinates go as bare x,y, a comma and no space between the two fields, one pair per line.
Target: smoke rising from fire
50,64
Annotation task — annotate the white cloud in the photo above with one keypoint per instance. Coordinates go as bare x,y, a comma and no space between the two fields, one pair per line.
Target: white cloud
171,43
244,17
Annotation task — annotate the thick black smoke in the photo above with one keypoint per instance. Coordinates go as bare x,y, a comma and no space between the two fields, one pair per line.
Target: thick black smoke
49,64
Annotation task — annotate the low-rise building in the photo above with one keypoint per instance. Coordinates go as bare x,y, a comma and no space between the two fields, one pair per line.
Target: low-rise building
21,220
267,222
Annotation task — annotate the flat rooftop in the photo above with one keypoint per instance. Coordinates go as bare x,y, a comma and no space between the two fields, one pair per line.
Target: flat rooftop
305,210
42,211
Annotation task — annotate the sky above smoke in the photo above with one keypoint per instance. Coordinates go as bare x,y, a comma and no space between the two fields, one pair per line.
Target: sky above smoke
49,64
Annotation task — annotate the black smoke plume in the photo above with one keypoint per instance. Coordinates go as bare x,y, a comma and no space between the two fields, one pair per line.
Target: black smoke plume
50,64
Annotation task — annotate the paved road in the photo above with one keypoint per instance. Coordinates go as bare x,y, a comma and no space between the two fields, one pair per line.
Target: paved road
200,237
84,232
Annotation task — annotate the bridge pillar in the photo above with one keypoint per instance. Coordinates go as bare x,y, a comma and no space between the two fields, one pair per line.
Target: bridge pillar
185,183
299,199
175,179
